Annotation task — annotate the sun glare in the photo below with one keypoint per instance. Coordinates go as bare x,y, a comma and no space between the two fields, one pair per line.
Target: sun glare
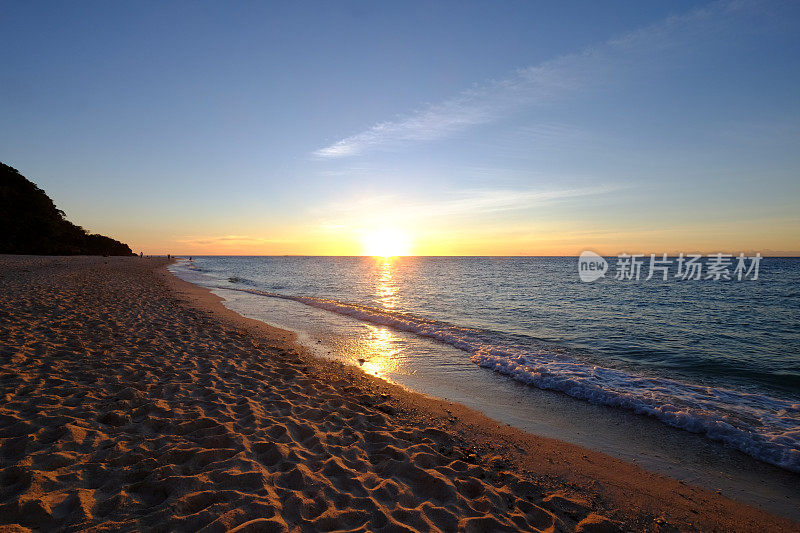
387,243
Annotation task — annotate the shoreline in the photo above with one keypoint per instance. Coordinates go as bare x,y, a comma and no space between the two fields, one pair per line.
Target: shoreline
649,443
440,408
469,471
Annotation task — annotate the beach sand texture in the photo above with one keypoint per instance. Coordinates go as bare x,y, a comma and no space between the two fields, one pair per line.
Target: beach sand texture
133,401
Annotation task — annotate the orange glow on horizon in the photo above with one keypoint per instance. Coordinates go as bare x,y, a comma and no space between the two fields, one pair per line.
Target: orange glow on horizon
458,238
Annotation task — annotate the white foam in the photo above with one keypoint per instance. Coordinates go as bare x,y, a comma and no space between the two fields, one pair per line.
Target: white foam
764,427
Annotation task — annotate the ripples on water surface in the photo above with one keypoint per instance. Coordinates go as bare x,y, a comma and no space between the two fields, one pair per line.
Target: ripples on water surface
718,358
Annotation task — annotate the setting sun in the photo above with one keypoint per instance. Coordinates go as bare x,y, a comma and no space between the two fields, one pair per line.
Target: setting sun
387,243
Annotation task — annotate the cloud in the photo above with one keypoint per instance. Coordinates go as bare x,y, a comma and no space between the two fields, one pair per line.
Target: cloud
231,240
477,201
466,203
473,107
557,78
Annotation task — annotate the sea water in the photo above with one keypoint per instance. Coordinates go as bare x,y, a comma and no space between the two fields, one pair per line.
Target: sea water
716,358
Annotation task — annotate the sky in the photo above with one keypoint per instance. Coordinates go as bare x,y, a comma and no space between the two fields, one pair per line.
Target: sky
458,128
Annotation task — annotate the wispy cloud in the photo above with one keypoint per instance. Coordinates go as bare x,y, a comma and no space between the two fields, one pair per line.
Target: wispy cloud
481,201
470,203
475,106
231,240
540,84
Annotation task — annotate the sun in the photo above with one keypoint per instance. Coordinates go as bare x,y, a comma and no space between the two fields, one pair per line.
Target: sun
387,242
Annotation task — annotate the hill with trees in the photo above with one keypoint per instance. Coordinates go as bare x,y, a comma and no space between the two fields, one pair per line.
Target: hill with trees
30,223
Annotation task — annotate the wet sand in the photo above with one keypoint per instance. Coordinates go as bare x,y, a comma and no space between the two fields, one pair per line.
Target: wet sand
648,442
132,400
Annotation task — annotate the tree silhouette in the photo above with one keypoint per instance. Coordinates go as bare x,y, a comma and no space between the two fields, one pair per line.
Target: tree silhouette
30,223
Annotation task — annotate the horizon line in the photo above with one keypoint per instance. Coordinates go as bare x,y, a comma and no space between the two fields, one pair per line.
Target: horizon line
790,255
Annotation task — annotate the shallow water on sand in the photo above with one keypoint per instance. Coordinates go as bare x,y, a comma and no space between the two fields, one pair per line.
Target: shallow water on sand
719,359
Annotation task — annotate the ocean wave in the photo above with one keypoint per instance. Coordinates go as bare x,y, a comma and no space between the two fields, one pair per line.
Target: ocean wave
764,427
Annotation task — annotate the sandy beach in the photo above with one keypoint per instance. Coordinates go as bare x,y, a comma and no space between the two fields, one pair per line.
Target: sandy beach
132,400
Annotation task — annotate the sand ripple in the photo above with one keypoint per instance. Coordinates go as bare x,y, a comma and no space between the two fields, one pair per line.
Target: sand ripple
123,409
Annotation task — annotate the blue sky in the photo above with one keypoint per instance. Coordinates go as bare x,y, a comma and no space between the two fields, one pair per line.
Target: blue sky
476,128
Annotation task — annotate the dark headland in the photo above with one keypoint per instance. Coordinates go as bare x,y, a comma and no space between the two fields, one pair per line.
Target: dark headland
30,223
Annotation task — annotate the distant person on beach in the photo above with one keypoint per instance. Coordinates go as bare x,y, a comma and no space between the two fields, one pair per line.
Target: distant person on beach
141,254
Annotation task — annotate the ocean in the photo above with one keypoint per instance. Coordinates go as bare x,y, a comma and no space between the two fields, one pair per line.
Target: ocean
716,358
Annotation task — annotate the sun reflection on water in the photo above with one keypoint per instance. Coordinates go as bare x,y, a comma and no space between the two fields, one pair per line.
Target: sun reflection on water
380,348
379,352
386,287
